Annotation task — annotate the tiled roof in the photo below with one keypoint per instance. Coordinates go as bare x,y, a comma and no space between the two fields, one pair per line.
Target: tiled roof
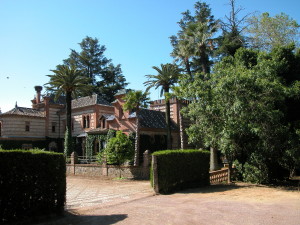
152,119
108,116
89,100
59,100
24,112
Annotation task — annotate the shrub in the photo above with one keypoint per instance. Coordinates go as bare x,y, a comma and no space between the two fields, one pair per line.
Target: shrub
178,169
118,150
32,184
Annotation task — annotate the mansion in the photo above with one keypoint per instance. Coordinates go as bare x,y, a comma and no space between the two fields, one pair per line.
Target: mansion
43,125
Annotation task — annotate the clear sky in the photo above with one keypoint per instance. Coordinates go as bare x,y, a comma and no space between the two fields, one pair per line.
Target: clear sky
36,35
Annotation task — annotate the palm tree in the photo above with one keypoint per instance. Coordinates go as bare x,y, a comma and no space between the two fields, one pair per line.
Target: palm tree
183,52
200,36
135,100
70,82
167,76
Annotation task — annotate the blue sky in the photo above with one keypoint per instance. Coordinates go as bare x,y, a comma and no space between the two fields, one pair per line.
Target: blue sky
36,35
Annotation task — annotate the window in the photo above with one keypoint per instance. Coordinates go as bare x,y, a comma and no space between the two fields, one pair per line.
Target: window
86,121
53,127
27,126
103,123
83,121
0,129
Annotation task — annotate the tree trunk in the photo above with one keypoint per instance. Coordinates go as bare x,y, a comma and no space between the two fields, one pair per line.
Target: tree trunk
69,120
182,142
204,60
229,171
188,68
137,142
168,123
213,159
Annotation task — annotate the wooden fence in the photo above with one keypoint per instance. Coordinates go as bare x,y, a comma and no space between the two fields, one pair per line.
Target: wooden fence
219,176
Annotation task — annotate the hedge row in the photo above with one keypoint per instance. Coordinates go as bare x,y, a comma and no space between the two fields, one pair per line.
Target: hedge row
32,184
41,144
178,169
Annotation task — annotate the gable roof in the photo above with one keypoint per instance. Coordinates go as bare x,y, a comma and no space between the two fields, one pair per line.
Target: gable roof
152,119
88,101
22,111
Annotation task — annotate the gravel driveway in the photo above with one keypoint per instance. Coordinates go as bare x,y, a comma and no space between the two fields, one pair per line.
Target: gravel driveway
95,201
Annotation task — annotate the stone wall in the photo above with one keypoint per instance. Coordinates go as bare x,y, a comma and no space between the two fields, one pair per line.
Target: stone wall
141,172
108,171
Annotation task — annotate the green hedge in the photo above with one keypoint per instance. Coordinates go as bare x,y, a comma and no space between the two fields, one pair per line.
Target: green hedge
32,184
179,169
41,144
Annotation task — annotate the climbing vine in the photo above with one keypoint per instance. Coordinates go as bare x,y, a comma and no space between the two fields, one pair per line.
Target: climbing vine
91,138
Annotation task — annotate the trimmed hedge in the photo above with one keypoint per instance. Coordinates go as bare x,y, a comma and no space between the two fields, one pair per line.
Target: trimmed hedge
41,144
173,170
32,184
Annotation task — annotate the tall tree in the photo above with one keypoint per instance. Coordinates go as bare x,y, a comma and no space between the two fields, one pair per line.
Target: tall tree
105,78
193,43
70,82
167,76
242,108
112,81
267,32
232,29
134,101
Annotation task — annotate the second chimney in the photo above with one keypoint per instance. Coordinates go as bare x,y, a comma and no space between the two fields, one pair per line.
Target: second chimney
38,90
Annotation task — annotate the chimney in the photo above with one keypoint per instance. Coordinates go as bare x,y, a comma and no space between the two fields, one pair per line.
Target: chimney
38,90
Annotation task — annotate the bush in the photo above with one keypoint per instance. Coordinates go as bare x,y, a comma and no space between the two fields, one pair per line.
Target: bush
118,150
178,169
32,184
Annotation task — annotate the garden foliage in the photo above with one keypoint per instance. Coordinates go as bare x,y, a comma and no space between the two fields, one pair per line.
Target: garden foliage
178,169
118,150
32,184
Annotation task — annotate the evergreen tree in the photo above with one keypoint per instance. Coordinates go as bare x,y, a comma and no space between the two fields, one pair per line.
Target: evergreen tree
105,78
194,42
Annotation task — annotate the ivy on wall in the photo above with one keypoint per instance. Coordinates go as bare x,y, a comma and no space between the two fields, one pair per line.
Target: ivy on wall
91,138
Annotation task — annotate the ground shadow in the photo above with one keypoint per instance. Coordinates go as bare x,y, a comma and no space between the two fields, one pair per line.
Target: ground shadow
217,188
73,219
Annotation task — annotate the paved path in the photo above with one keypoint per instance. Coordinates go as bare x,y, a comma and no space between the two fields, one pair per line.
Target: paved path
91,201
87,192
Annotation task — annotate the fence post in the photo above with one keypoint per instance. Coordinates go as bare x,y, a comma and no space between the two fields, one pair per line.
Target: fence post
74,160
155,174
146,163
104,167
